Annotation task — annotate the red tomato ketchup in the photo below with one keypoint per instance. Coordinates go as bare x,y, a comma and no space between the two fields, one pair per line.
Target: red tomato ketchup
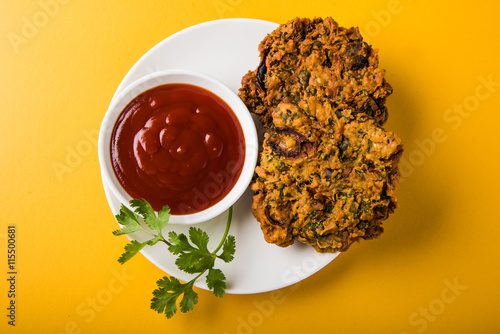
178,145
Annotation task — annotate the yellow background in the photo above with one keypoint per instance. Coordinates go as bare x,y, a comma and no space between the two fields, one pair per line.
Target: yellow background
436,269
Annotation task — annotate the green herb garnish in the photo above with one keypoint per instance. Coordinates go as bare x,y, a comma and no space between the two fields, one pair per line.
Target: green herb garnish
193,255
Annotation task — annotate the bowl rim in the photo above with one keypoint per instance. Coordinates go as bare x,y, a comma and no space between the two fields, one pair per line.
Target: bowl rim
246,121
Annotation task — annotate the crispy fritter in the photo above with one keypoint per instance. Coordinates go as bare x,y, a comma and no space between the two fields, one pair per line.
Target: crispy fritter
328,170
327,70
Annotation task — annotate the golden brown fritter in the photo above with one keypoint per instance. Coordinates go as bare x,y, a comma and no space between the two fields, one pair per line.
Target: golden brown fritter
328,171
326,69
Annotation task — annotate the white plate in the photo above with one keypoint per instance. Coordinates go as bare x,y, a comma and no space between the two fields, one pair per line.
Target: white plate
226,49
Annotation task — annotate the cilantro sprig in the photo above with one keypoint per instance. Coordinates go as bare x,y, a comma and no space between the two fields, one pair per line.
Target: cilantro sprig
193,255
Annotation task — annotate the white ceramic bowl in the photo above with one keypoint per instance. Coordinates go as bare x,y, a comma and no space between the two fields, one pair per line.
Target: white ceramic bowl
188,77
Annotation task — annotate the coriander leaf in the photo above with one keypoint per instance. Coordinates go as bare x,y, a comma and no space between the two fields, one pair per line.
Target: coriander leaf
145,209
126,216
179,243
192,253
199,238
195,261
228,249
127,229
165,297
189,299
216,281
131,249
169,290
153,241
164,215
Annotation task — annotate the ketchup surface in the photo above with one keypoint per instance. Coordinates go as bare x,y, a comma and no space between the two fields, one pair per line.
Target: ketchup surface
178,145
